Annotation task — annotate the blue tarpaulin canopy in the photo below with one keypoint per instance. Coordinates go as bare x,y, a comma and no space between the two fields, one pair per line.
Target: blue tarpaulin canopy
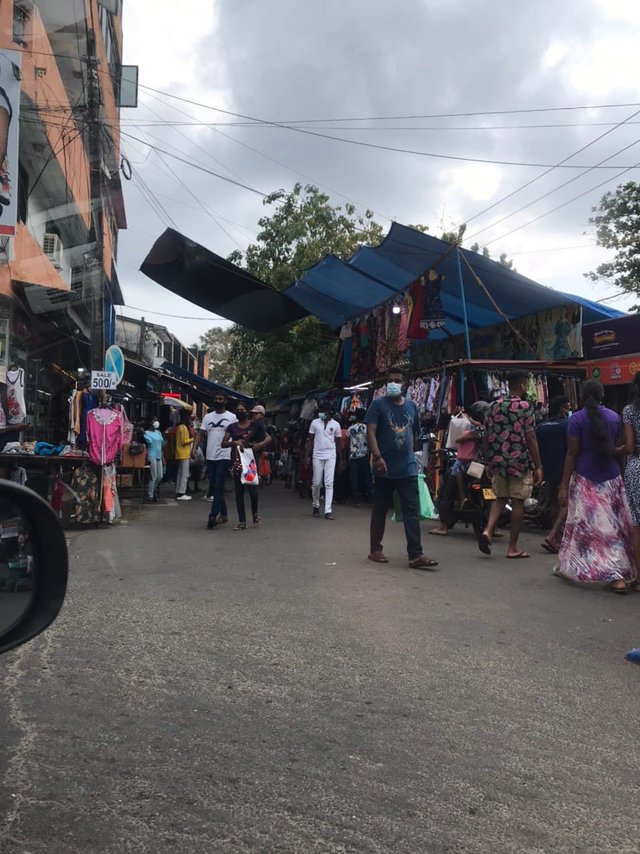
336,291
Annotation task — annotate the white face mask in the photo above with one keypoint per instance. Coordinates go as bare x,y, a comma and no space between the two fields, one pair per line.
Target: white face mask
394,389
155,425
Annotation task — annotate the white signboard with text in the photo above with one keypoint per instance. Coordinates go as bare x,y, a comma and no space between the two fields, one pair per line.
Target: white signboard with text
103,381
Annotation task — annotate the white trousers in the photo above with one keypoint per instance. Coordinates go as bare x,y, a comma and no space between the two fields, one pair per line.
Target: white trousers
323,472
182,478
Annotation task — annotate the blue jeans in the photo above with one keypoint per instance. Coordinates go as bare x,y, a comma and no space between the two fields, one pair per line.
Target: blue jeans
217,470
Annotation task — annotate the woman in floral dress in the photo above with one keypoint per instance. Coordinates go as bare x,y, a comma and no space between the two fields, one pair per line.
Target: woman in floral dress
597,546
631,419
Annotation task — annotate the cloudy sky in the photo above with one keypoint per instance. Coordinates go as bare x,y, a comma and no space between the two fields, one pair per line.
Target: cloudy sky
395,68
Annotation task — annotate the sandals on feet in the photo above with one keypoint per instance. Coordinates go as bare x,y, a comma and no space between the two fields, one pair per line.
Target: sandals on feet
241,526
256,521
484,544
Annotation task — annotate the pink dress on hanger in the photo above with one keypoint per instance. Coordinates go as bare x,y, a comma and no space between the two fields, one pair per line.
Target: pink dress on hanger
104,429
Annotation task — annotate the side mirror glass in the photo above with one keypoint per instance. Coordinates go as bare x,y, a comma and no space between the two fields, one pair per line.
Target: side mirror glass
33,565
17,566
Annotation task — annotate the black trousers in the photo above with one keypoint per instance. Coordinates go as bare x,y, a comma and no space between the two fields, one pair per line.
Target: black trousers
253,498
383,489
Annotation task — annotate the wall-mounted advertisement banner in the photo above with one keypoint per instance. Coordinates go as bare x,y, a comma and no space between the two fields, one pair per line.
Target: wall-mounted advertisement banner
614,371
607,338
554,335
10,61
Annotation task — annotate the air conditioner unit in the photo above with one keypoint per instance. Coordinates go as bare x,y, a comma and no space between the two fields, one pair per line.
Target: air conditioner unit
53,249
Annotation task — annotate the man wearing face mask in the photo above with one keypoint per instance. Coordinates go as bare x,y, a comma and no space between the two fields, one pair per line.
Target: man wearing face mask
214,425
324,433
392,428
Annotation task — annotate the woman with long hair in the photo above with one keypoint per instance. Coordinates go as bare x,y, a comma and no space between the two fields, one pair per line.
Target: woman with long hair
597,546
631,420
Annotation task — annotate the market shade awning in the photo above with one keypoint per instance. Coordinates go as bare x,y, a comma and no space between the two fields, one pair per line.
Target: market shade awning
215,284
203,386
336,291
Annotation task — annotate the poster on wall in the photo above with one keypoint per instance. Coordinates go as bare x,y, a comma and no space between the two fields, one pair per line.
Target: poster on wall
9,121
554,335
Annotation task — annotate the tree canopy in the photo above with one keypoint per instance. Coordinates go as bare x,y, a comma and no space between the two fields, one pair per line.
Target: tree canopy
617,222
303,227
217,342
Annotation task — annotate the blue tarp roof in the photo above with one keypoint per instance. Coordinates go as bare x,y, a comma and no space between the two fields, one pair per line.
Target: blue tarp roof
336,291
204,385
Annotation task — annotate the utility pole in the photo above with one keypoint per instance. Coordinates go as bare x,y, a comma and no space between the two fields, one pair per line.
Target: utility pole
94,270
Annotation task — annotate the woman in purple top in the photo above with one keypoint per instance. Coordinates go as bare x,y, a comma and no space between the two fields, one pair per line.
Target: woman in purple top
597,546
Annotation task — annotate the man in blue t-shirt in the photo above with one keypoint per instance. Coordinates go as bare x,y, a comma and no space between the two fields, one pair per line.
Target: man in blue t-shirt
552,442
392,428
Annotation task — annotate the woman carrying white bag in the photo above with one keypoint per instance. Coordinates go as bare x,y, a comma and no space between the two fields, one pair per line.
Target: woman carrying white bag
247,439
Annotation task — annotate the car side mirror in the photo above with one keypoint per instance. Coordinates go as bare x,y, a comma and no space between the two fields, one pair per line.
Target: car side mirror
33,565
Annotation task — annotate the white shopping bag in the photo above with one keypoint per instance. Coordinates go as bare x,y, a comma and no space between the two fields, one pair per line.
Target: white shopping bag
249,476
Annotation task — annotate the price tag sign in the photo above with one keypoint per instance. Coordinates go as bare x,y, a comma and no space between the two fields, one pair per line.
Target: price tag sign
103,381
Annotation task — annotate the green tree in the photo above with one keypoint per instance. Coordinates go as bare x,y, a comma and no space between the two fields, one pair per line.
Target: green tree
617,222
503,260
217,341
303,227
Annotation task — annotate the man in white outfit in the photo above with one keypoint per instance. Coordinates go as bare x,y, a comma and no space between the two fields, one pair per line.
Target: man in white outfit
324,433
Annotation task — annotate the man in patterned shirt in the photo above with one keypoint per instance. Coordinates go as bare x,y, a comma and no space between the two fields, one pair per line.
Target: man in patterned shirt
513,458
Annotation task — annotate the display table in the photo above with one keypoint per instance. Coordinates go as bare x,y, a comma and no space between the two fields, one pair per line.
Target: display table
43,470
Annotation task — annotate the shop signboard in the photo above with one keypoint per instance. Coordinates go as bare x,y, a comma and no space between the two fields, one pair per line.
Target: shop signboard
614,371
103,381
10,61
607,338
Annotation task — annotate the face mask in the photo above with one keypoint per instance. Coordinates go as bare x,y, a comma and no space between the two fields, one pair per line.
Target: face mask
155,425
394,389
322,416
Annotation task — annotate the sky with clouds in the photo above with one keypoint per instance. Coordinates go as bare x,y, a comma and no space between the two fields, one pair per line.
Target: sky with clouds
378,62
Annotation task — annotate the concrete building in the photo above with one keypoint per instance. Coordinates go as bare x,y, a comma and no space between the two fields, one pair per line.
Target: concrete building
58,277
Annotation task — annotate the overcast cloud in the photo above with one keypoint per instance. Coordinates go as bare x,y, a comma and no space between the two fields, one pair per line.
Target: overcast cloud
283,60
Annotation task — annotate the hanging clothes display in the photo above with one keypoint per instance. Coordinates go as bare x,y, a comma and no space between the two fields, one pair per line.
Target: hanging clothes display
105,433
416,331
433,314
86,486
15,396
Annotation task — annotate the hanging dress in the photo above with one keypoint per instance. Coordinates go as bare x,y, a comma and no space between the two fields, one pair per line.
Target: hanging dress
15,397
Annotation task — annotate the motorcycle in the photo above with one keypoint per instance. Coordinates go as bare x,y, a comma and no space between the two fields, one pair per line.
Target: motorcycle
479,497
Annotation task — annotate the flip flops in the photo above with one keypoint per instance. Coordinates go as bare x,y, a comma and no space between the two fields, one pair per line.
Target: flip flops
484,544
553,550
519,556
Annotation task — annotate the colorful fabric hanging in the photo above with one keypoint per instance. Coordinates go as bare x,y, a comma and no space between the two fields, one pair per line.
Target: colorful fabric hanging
433,314
416,331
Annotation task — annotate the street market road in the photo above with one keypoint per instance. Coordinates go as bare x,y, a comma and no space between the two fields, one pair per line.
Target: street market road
273,691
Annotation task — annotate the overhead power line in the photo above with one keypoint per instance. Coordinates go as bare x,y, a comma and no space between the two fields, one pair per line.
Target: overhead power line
552,191
372,145
564,204
519,111
551,169
276,161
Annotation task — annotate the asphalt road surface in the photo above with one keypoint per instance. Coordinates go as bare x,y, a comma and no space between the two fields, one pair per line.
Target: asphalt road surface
273,691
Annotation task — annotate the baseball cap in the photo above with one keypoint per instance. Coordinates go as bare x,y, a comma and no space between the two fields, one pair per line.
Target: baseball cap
259,409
